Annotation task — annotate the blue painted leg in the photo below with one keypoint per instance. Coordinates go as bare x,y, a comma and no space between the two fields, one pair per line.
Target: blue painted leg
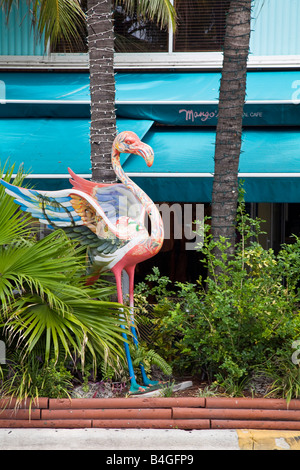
134,387
147,382
130,271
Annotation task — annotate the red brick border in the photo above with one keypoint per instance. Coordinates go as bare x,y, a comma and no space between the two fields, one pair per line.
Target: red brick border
155,413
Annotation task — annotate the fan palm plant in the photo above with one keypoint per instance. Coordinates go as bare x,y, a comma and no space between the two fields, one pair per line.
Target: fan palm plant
46,306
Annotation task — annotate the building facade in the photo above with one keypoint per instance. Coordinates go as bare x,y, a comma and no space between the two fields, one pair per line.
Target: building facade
167,86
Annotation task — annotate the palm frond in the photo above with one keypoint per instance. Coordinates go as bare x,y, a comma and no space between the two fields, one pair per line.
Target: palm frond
57,19
6,5
87,324
159,11
13,223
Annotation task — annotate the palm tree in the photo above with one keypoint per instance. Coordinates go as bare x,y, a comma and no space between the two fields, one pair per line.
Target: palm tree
102,88
229,127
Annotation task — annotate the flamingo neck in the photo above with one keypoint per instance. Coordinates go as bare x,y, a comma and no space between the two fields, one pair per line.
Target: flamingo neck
157,233
121,175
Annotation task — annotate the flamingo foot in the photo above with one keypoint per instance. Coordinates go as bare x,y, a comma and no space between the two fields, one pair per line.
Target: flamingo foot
136,389
147,382
157,384
148,385
152,384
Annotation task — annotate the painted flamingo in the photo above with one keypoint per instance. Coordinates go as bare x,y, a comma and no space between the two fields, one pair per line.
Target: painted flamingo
109,219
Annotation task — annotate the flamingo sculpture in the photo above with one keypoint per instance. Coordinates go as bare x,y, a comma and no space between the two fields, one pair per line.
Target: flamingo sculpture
109,219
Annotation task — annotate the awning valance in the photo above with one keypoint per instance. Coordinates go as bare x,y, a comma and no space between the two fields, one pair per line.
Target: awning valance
189,98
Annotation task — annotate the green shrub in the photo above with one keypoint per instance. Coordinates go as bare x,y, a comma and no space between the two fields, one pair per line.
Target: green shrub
240,317
32,378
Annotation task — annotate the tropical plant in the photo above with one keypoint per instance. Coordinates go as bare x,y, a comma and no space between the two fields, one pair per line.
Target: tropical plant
167,391
284,376
149,357
241,319
46,306
29,378
53,20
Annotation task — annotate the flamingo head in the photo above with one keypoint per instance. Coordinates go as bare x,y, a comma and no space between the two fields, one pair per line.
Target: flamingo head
128,142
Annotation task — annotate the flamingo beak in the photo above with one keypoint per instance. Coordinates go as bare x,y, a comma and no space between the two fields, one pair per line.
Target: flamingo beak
147,153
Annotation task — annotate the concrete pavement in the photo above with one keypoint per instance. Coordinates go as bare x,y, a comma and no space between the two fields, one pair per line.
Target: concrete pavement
116,439
147,439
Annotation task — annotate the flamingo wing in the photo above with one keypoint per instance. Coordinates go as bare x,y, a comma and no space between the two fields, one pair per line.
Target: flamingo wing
71,210
116,200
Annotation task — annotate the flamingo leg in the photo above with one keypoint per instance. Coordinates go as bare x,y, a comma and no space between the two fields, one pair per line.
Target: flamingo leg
130,271
134,385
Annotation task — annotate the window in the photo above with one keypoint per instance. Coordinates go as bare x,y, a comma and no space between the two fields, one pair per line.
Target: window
134,36
201,25
200,28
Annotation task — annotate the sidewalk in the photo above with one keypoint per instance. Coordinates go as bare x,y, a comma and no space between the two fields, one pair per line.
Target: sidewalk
147,439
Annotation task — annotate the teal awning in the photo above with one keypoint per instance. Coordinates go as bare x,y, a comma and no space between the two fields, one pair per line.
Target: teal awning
42,94
45,119
47,147
183,166
189,98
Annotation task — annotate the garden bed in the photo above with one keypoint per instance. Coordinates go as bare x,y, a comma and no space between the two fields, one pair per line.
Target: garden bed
182,412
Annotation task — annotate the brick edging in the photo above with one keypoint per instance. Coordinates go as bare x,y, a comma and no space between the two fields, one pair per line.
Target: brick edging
155,413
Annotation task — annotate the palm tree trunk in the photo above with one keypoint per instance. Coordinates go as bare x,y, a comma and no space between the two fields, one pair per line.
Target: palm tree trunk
229,127
102,88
